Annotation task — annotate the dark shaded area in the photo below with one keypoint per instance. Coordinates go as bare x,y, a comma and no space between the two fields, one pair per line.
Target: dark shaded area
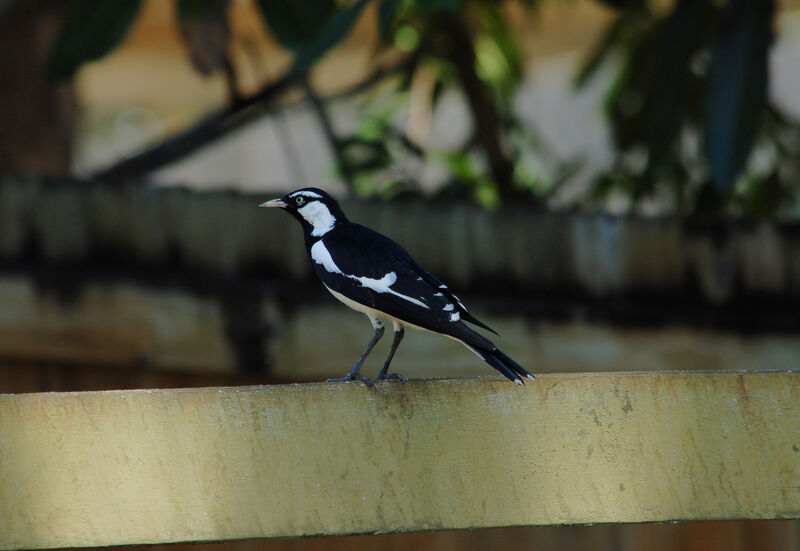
241,303
689,536
37,116
246,330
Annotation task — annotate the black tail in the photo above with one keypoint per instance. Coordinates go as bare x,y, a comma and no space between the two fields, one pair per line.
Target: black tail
503,363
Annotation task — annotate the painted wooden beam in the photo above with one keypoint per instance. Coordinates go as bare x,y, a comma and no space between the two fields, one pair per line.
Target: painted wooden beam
126,467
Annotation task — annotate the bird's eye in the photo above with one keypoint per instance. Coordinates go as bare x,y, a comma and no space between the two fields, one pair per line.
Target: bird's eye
299,200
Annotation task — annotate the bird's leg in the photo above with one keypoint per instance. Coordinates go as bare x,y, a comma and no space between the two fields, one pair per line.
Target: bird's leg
398,336
354,374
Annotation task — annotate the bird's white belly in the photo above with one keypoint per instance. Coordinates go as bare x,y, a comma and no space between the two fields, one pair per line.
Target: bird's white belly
372,313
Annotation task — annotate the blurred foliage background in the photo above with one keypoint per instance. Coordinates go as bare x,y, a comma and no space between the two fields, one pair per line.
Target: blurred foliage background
685,96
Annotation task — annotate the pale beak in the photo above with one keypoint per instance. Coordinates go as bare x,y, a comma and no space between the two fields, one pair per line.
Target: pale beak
279,203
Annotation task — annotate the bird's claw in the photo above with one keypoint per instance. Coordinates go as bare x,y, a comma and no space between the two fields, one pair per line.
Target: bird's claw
390,377
356,377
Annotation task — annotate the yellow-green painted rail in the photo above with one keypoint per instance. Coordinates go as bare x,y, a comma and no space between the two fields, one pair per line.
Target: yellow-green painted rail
123,467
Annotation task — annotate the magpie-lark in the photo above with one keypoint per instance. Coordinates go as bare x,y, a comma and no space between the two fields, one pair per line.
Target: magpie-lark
372,274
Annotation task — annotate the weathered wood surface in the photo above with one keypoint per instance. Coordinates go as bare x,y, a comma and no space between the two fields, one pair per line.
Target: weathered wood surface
120,467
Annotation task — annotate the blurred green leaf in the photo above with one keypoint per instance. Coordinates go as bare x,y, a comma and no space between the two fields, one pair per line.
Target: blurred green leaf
465,170
625,4
650,101
92,29
462,166
499,58
623,100
737,88
680,36
297,23
191,8
759,198
602,186
406,39
387,10
437,5
486,194
336,28
365,155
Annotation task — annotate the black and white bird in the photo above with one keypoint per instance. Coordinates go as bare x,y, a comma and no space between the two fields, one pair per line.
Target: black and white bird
372,274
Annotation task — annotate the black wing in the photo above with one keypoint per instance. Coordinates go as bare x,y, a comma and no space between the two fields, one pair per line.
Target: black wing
465,315
363,262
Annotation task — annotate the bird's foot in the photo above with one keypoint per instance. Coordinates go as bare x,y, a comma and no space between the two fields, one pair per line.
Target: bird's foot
390,377
352,377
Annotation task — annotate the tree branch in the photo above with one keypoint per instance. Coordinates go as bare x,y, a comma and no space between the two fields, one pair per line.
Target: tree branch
213,126
488,129
318,107
241,112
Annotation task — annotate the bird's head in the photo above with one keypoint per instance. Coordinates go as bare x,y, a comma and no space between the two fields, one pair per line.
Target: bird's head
317,211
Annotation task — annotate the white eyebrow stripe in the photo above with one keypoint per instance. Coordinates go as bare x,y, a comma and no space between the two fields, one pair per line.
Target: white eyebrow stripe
306,194
321,255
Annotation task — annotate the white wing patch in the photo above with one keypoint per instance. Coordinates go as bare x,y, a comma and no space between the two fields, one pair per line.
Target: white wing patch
458,300
455,316
321,255
448,307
